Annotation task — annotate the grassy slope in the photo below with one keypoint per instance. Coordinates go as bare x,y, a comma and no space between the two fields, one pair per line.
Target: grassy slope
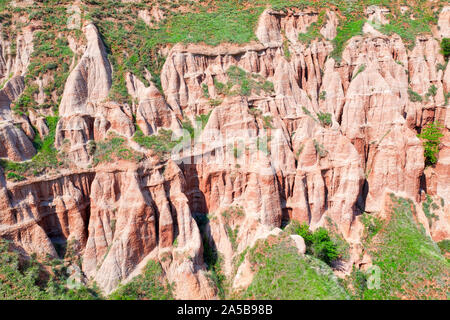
150,285
412,265
282,273
31,280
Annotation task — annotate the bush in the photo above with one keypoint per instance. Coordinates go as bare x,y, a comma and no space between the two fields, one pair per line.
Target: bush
318,243
14,176
162,143
324,118
444,245
445,47
431,135
414,96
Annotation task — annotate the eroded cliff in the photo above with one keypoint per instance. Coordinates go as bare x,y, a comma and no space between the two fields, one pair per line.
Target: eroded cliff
229,143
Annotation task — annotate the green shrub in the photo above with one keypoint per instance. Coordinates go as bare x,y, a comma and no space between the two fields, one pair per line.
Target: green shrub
432,91
318,243
267,122
324,118
162,143
360,69
414,96
323,95
445,47
14,176
427,206
320,149
203,119
444,245
431,136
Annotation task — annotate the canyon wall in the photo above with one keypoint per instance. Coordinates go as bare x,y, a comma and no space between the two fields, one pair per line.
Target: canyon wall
263,158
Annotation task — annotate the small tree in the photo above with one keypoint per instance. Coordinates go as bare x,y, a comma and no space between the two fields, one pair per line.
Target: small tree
445,46
324,118
318,243
431,136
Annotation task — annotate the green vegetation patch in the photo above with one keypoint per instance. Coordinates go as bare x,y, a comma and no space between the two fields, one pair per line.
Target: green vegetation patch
318,243
428,207
345,32
150,285
161,143
30,280
282,273
431,136
112,149
411,264
406,27
445,47
244,83
444,245
313,31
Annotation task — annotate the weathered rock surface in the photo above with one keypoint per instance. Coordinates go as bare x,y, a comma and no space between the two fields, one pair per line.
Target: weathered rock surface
325,145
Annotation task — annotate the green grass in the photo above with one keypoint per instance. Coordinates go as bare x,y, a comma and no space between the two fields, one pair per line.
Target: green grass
411,263
134,46
161,143
344,32
372,225
51,55
150,285
313,31
30,280
112,149
408,28
282,273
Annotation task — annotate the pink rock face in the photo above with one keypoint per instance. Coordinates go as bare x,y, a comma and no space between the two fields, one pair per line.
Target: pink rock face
35,215
90,81
135,215
14,144
15,131
152,110
444,22
324,145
